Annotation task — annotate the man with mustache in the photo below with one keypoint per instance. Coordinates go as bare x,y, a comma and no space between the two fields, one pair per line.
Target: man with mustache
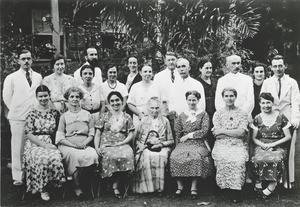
19,96
91,57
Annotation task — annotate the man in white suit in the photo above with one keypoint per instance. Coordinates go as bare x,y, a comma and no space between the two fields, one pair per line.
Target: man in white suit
286,95
19,97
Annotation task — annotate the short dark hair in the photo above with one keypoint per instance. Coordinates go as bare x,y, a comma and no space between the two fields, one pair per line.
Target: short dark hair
90,47
267,96
42,88
193,92
85,67
202,62
23,51
114,93
73,89
56,58
278,57
229,89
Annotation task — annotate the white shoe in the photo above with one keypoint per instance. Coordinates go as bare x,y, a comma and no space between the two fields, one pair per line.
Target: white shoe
45,196
34,191
18,182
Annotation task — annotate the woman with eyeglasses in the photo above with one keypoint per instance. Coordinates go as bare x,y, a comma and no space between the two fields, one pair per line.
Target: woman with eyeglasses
153,146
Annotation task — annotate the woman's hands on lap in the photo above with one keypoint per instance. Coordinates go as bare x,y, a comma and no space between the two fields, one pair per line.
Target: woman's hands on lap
49,146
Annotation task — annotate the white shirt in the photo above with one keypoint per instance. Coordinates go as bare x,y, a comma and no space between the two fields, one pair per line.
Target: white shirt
120,87
18,96
243,84
177,100
97,78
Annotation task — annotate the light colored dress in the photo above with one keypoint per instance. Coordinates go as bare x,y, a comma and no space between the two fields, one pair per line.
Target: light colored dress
230,153
269,164
150,169
120,158
192,157
76,127
57,88
42,166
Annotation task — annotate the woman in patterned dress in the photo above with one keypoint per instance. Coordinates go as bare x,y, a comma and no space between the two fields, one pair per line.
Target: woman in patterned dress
150,165
42,161
270,133
191,157
230,152
58,82
75,132
114,132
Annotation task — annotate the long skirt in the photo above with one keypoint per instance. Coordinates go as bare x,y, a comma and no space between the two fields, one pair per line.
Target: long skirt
150,171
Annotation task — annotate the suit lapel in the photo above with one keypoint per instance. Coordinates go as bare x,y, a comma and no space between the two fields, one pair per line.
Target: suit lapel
286,86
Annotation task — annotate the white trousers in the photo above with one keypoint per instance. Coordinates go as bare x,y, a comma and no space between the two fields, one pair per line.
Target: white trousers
17,147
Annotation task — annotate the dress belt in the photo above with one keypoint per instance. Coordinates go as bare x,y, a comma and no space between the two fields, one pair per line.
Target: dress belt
94,110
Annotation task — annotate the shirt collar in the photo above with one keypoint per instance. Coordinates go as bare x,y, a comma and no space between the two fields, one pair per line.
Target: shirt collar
24,72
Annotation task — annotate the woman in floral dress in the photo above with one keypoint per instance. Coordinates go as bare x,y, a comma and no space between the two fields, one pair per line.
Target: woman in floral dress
191,157
114,133
151,164
58,82
230,152
270,133
42,161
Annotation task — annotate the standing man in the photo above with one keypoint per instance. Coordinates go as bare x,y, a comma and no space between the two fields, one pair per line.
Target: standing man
91,57
19,97
185,83
240,82
134,76
286,95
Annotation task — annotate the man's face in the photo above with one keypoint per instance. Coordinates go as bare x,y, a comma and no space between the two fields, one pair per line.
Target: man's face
112,74
170,62
92,56
132,64
25,61
234,64
278,67
183,67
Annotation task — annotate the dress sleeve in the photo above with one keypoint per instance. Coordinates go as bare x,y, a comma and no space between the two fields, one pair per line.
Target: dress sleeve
217,120
204,127
131,96
285,124
91,126
130,126
29,124
169,133
61,131
100,123
178,129
243,121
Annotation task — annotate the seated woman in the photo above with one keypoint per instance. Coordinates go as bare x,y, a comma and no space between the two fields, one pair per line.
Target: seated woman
42,161
191,157
270,132
114,132
75,132
155,132
230,152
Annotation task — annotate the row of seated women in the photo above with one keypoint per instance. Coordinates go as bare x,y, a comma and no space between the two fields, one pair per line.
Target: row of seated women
113,132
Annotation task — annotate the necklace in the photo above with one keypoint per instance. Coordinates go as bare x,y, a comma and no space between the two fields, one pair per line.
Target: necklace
112,87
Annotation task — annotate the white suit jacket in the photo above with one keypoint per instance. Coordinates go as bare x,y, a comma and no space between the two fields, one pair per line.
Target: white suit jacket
18,96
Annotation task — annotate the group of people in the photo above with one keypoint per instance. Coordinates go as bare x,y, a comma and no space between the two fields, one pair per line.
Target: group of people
149,127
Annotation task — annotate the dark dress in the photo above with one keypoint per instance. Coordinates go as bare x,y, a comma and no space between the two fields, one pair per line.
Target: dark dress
269,164
256,109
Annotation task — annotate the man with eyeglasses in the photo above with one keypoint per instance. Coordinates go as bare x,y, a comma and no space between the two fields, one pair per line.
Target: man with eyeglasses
19,97
285,91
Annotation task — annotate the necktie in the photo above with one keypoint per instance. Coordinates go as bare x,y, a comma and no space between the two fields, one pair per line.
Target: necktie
28,78
172,76
279,91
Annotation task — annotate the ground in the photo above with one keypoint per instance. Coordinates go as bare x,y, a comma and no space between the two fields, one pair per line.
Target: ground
11,196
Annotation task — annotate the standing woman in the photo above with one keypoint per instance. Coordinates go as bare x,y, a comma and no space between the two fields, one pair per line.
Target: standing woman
191,157
209,84
140,93
114,132
42,161
270,133
230,152
75,132
58,82
93,100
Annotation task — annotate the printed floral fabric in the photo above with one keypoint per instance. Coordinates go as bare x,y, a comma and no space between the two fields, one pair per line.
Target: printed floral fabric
42,166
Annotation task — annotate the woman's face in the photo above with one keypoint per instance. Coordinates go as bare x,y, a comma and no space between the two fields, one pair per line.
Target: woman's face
146,73
266,105
206,70
59,66
43,98
74,99
229,98
115,102
112,74
154,109
259,73
87,75
192,101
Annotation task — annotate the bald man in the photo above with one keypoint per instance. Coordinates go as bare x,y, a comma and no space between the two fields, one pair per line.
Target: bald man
243,84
